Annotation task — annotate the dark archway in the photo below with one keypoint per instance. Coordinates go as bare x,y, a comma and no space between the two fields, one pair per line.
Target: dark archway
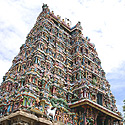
99,121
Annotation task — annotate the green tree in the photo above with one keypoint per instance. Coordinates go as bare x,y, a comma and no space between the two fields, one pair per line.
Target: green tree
124,113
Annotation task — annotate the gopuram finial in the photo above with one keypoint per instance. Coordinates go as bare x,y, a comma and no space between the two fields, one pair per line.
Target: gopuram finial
45,7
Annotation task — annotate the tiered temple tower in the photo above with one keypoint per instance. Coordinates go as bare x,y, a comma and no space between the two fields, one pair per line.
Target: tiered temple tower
56,78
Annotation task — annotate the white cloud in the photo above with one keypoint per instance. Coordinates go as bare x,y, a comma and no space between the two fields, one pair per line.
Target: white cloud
117,81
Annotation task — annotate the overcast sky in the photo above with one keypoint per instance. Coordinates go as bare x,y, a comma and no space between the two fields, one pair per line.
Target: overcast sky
103,21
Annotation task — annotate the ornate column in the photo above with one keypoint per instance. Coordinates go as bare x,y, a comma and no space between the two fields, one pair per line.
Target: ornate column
111,121
95,117
103,120
119,123
85,112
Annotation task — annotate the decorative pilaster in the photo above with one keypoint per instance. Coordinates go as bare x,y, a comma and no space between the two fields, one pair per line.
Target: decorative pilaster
103,119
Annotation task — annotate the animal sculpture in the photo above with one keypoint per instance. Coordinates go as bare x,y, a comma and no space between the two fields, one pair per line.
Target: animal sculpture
51,112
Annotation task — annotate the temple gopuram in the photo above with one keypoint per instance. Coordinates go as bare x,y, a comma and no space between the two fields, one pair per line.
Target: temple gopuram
56,79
